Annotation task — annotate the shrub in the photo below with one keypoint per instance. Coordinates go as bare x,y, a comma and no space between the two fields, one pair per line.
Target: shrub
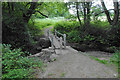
99,34
66,26
15,64
100,24
73,36
115,58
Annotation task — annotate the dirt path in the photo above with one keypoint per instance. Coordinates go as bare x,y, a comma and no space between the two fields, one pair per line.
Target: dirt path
73,64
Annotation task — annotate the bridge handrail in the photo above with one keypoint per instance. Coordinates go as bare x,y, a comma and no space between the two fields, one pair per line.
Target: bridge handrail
50,35
58,33
60,39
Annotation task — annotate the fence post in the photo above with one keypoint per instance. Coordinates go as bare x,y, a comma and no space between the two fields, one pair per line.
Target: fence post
52,41
48,33
55,33
64,40
60,42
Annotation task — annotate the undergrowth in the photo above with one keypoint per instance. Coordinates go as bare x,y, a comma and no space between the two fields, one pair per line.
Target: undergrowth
16,65
37,25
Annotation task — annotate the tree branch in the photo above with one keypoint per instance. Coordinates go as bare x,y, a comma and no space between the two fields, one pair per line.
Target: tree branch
103,12
42,14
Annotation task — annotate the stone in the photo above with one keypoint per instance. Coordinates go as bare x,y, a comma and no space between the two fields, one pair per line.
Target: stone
36,38
44,42
39,48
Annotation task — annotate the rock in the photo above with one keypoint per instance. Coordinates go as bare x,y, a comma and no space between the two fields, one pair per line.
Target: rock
47,50
39,48
36,38
39,54
44,42
115,75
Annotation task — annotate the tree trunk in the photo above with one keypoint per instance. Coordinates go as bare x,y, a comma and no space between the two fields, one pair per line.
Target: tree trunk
84,11
78,13
88,13
29,13
106,12
116,13
9,7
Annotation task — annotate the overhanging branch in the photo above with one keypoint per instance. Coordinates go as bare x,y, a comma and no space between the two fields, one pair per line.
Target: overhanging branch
42,14
103,12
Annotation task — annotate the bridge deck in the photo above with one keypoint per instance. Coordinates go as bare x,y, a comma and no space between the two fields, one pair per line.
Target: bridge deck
56,42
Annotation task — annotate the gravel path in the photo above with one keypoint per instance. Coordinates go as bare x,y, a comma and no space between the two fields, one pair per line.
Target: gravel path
73,64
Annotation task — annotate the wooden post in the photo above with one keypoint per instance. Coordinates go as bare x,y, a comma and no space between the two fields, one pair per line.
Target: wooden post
48,33
55,33
60,42
52,41
64,40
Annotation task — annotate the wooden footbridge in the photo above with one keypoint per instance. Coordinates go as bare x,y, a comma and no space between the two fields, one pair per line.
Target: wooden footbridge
57,42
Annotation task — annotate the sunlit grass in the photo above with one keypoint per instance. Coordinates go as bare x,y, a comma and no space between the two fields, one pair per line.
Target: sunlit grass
38,25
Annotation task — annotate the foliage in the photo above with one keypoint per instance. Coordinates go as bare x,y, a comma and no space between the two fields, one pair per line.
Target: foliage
73,36
15,24
99,35
55,9
70,17
66,26
100,24
115,58
38,25
15,64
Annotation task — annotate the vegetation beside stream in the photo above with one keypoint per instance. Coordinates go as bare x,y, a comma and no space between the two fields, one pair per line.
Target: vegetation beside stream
98,36
23,24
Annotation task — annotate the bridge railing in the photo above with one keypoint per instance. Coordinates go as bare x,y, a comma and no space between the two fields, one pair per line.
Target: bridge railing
50,35
62,39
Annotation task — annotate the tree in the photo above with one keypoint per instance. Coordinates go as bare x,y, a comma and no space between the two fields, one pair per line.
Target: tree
86,12
15,19
78,13
116,13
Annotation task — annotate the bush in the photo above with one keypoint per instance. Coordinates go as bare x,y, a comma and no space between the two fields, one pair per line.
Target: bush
15,64
115,58
100,24
66,26
37,25
73,36
99,35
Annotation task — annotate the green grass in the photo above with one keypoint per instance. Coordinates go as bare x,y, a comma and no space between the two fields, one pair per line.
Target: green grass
62,75
38,25
100,61
114,60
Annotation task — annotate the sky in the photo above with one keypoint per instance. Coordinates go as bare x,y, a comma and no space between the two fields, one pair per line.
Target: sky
108,3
